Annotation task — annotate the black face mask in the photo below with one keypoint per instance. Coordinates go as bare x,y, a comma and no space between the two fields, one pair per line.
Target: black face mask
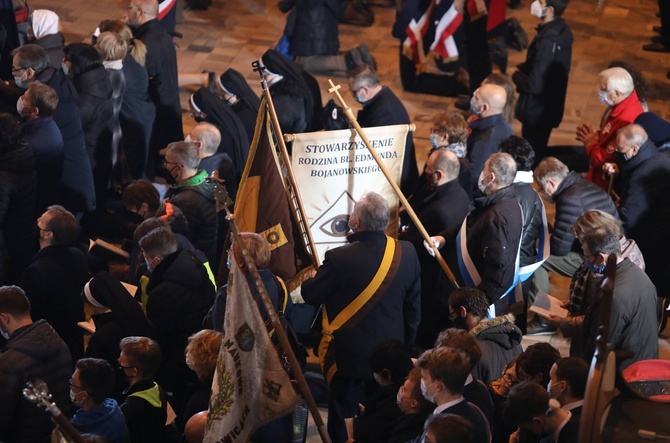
459,322
165,173
620,157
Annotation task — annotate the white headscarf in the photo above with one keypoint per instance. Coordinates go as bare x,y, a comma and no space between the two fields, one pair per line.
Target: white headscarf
44,22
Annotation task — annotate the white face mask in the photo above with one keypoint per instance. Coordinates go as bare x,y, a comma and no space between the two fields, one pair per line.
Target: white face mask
602,95
19,106
73,398
149,267
19,82
480,183
424,391
537,10
4,333
66,69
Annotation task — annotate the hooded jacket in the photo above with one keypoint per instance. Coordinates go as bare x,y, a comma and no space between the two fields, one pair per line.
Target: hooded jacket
542,80
106,421
500,341
34,351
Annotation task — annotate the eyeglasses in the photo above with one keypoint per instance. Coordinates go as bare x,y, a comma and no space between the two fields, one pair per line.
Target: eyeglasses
165,163
17,69
435,131
133,7
508,379
453,316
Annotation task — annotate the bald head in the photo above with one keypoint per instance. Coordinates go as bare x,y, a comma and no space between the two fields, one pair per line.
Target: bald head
444,164
490,99
194,431
208,138
141,11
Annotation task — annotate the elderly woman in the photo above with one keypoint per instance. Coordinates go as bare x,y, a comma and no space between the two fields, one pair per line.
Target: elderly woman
201,353
45,30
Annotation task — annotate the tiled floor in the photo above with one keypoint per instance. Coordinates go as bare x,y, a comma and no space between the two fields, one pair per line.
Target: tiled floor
232,33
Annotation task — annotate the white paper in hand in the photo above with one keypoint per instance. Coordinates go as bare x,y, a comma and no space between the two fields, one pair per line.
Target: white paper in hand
547,305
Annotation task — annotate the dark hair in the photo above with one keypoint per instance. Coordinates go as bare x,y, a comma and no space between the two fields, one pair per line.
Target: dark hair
558,5
13,301
63,225
141,191
537,359
575,371
149,225
602,241
392,356
159,242
472,299
460,339
84,57
448,365
10,132
639,82
96,377
525,401
143,353
520,150
450,428
32,56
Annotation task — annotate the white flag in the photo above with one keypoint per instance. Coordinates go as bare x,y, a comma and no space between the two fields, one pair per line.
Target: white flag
250,385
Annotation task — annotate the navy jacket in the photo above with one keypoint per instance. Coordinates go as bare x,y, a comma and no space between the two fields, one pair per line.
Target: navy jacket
486,135
542,80
345,272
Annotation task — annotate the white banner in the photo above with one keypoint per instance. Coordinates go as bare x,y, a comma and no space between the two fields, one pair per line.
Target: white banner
250,386
333,169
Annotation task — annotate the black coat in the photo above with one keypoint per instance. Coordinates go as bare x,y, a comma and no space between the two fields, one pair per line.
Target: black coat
645,208
386,109
493,234
345,272
197,204
476,393
574,196
34,351
180,294
44,138
145,422
53,282
96,109
53,45
137,116
444,208
312,26
531,204
542,80
18,183
500,341
161,64
77,193
484,140
381,413
408,427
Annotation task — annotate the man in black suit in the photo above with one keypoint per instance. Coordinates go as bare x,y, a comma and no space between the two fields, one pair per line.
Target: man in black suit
443,207
161,65
381,107
55,277
444,372
568,383
530,407
382,276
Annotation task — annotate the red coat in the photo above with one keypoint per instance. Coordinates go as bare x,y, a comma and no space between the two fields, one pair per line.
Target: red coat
603,150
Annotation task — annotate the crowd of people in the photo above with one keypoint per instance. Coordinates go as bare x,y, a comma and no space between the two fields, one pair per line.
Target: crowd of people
407,355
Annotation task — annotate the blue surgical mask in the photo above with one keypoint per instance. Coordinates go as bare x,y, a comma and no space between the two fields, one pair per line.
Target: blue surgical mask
149,268
19,82
595,269
435,140
474,106
603,98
